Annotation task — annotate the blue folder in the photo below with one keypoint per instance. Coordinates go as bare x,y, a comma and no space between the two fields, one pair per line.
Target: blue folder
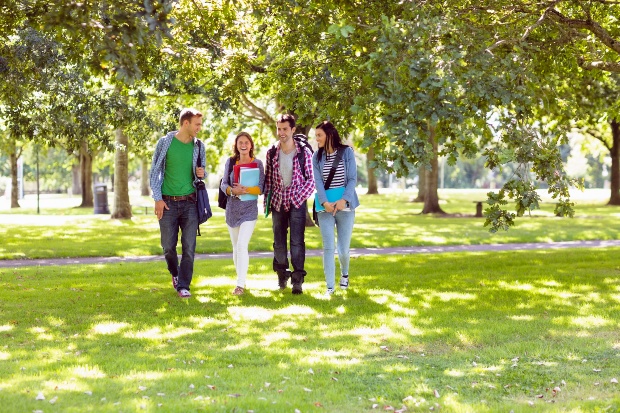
249,177
333,195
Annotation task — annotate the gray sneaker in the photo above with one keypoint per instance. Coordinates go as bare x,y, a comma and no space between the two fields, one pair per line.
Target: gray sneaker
329,292
344,281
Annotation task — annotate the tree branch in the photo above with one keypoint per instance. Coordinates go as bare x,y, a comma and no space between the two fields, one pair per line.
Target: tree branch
256,112
606,66
590,25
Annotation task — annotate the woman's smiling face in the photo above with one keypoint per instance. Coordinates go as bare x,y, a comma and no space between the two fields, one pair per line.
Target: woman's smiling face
321,138
244,145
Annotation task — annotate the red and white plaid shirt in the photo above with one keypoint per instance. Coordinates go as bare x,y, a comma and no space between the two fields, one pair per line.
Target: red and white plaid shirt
300,188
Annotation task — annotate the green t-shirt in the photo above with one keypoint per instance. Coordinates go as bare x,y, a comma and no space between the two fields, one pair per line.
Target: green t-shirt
179,176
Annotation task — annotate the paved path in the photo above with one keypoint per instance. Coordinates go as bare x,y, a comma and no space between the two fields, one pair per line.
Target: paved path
318,253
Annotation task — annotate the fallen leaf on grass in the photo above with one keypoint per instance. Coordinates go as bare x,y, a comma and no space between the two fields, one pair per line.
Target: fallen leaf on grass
408,398
614,380
53,400
334,379
388,408
374,406
556,390
307,389
212,387
436,393
596,370
385,348
40,396
267,384
310,371
318,404
141,388
230,366
540,396
234,395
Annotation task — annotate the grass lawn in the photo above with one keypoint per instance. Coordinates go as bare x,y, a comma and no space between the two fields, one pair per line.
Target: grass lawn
386,220
466,332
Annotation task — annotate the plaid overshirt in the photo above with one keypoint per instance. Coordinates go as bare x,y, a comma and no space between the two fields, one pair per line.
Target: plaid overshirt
300,188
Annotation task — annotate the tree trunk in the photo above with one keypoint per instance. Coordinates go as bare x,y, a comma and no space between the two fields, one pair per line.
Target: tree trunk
372,178
421,184
86,176
431,197
614,198
76,189
144,178
122,206
14,186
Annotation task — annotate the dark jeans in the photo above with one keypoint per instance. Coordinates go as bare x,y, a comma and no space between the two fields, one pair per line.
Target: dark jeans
181,215
295,218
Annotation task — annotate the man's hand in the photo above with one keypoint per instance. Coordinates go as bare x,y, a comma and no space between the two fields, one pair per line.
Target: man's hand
200,172
159,208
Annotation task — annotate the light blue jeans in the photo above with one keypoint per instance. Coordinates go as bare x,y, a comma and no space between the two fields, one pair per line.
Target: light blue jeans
343,222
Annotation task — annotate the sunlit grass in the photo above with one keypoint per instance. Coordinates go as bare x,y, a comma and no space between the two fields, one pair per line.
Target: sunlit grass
387,220
474,332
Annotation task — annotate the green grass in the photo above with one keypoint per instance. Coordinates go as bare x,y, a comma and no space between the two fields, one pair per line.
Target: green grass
386,220
489,332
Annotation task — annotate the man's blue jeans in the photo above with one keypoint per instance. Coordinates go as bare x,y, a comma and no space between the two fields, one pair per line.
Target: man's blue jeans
181,215
343,222
295,218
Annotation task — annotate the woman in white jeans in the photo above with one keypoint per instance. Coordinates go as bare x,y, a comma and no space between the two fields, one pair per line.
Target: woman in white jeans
241,214
339,214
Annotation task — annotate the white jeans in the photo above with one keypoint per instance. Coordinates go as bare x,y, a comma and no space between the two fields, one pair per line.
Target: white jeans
240,238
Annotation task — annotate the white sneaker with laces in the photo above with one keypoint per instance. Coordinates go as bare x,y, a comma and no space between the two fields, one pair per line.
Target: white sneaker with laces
344,281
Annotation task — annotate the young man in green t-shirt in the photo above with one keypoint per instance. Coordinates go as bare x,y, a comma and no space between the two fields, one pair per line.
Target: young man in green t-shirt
174,171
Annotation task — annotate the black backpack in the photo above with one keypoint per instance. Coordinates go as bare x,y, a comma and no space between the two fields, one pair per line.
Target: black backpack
222,198
302,140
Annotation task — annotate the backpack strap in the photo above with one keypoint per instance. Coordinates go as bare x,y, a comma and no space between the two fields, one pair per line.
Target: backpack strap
332,171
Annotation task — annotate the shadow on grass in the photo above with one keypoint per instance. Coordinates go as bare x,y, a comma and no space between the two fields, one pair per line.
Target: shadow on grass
482,331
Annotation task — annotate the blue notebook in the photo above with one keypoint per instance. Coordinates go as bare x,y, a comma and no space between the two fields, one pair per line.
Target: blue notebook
333,195
249,177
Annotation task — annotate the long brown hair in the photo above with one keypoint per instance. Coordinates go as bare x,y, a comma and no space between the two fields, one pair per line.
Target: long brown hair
236,153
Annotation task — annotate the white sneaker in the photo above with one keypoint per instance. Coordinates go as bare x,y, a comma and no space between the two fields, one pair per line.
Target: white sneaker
344,281
329,291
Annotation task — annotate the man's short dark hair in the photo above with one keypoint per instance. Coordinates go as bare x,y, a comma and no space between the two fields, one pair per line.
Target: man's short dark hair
286,117
188,114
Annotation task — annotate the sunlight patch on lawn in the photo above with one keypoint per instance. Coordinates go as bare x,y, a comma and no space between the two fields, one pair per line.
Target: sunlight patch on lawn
405,324
250,313
108,328
296,310
269,339
158,334
91,372
385,296
515,286
615,297
589,322
41,333
521,317
144,375
455,373
374,335
450,296
202,322
6,327
4,355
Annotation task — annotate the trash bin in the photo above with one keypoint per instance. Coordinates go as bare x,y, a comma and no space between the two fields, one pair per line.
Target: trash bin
101,199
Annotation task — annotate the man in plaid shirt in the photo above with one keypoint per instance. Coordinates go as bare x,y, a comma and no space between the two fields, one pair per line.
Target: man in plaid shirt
287,187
